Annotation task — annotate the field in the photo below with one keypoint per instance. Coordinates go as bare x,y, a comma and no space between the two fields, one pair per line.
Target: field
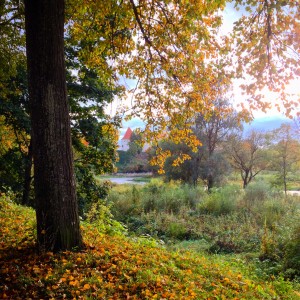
259,225
118,267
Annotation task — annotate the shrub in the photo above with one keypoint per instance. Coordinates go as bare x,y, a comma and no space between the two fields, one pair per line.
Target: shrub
292,256
272,211
177,231
166,226
101,218
88,190
221,201
224,247
126,203
269,246
170,197
180,212
258,191
193,195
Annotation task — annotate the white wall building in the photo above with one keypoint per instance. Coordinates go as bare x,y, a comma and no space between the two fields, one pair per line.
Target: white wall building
124,142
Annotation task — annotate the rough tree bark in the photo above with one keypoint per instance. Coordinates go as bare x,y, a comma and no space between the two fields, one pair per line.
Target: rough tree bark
55,194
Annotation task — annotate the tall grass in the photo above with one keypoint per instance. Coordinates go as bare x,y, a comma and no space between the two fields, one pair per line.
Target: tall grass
259,219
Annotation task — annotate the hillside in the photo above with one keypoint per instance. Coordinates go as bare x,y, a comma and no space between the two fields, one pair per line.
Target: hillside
267,123
117,267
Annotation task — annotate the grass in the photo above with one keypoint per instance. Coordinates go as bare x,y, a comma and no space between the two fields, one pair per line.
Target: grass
142,179
270,177
234,178
259,222
118,267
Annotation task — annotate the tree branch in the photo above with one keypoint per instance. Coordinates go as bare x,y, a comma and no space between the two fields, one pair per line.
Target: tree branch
6,22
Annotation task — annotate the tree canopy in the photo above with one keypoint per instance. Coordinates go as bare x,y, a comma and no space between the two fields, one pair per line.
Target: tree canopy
175,53
267,44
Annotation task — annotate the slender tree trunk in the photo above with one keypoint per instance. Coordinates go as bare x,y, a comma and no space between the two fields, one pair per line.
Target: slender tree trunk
27,176
285,184
55,195
284,175
245,178
210,182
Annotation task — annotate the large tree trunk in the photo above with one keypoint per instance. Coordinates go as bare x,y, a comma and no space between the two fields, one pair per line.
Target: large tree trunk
55,194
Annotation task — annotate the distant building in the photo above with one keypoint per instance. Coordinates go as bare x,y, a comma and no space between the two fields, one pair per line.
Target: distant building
124,142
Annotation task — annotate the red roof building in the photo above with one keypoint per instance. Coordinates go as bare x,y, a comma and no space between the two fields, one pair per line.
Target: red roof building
124,142
127,134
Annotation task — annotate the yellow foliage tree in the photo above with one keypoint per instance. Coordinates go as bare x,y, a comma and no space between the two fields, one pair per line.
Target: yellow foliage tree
267,45
178,59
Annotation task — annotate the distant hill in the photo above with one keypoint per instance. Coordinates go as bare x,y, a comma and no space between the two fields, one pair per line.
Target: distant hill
263,123
267,123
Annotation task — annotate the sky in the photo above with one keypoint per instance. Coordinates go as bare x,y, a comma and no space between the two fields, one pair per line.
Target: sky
264,122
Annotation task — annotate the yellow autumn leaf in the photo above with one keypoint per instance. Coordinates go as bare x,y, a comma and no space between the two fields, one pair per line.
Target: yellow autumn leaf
86,286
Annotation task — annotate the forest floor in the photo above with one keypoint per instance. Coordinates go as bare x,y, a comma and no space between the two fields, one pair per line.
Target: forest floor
117,267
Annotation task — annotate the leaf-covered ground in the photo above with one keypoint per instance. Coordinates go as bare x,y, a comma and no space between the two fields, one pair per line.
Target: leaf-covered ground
114,268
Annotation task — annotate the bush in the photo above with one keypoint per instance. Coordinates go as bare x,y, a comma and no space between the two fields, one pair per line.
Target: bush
280,245
269,246
272,211
292,256
223,247
89,191
221,201
170,197
166,226
126,203
259,191
177,231
101,218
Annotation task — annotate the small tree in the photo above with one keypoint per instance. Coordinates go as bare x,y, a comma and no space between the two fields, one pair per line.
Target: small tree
248,154
286,153
135,146
186,171
213,130
208,162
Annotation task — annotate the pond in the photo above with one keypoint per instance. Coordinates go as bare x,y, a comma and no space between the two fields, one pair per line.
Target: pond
128,180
